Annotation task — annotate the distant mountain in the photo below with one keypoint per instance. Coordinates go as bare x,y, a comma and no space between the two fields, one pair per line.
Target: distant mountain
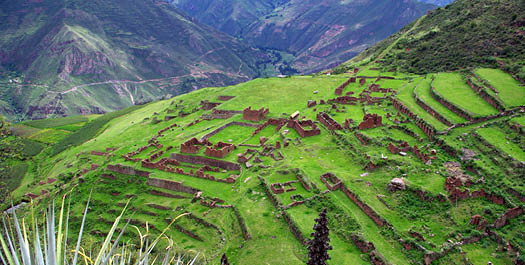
66,57
230,16
464,34
438,2
317,33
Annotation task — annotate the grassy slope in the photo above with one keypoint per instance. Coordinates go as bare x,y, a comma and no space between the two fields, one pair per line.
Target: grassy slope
453,87
510,91
314,156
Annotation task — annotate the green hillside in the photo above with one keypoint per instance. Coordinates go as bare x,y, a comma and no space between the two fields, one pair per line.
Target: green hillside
393,221
464,34
413,168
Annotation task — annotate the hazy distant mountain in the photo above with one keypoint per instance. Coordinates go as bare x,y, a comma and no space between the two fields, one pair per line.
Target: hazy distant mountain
438,2
49,50
318,33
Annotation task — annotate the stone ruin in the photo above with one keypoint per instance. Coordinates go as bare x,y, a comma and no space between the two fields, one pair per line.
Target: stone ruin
254,115
311,103
206,105
244,157
370,121
362,81
219,150
279,188
346,100
193,145
301,127
404,147
279,123
457,180
225,98
328,121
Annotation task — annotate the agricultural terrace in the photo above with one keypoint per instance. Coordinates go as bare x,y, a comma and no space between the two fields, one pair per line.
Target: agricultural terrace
252,177
508,89
454,89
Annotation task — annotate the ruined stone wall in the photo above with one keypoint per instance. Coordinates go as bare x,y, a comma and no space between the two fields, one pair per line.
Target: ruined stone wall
346,100
206,161
220,150
171,185
242,224
254,115
371,121
299,127
328,121
339,89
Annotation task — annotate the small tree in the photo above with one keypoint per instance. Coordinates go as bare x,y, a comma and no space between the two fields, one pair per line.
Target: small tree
224,260
320,244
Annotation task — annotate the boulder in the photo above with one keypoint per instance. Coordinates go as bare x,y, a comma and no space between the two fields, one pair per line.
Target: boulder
397,184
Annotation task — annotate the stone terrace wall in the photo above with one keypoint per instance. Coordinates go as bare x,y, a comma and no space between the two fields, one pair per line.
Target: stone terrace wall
367,209
431,111
205,161
127,170
171,185
428,129
486,96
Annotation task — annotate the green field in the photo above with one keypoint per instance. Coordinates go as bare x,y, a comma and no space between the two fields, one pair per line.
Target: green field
455,89
510,91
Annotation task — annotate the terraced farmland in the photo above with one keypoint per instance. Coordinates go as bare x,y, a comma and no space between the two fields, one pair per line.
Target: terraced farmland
253,173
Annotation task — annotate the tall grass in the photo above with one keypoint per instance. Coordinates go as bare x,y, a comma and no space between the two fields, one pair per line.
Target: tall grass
28,243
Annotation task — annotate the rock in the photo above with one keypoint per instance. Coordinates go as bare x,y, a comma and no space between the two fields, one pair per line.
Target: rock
364,174
396,184
248,165
315,92
402,153
247,179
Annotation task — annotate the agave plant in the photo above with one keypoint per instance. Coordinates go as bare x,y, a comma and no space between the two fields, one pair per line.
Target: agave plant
21,242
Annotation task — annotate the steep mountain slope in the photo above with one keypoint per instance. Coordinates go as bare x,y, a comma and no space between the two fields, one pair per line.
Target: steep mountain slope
463,34
230,16
438,2
127,52
317,33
